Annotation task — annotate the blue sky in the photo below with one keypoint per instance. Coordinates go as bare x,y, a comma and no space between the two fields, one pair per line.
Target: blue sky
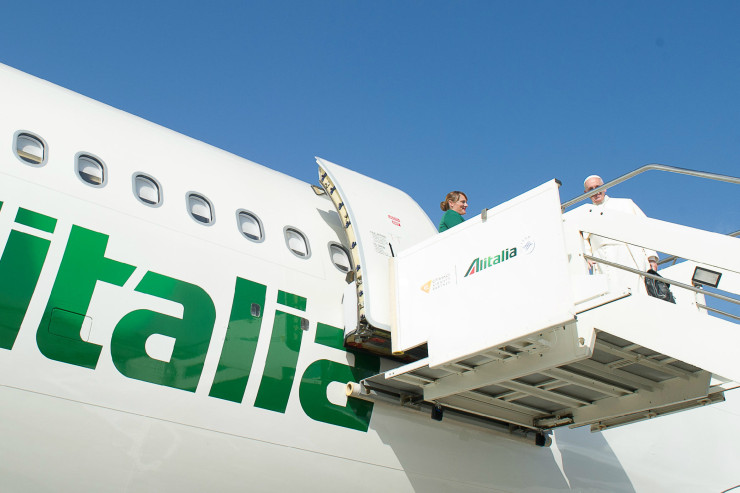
488,97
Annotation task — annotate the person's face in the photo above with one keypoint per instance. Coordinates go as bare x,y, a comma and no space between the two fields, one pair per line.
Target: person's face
592,183
460,206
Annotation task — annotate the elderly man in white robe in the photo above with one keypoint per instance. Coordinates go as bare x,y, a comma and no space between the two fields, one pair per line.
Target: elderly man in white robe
616,251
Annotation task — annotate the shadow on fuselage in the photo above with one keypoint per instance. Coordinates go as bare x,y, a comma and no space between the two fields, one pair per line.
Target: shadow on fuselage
444,456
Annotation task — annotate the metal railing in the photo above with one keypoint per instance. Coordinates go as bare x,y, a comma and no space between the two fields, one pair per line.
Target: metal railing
649,167
673,258
720,312
662,279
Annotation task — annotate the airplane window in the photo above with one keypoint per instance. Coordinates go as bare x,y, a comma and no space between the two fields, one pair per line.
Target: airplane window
200,208
250,225
30,149
147,190
90,169
339,257
297,243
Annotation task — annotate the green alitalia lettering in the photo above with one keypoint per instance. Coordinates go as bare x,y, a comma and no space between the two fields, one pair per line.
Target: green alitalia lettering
292,300
83,265
282,357
192,335
20,268
35,220
240,344
319,374
474,266
479,264
326,335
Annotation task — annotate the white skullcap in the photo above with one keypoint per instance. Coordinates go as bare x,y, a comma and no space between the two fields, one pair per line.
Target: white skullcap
592,176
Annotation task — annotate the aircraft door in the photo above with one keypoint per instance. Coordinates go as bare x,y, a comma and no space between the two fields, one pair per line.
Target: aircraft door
379,221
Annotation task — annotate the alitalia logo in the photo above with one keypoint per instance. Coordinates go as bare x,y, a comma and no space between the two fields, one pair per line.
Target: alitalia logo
86,264
482,263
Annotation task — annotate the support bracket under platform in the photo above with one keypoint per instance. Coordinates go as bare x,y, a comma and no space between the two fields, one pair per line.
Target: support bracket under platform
554,378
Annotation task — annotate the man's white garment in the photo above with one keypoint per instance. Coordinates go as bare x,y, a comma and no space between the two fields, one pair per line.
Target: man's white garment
619,252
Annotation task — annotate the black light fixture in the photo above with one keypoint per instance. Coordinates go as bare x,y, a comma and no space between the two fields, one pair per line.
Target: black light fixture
705,277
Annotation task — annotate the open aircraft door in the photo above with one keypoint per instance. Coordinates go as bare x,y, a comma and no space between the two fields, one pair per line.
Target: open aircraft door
379,221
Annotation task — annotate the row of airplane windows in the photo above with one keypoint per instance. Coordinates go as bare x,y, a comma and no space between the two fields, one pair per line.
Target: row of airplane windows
91,170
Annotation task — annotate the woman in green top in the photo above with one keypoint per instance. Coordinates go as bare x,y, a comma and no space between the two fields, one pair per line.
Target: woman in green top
454,206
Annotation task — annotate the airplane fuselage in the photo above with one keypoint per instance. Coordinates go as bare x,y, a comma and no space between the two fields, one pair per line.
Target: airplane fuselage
149,343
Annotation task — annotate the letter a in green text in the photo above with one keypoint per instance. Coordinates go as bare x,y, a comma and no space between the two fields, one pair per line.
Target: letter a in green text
192,335
319,374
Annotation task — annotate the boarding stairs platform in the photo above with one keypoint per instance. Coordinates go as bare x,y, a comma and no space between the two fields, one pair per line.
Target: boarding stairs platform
509,324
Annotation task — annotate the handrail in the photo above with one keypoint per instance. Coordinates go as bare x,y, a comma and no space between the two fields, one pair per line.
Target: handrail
662,279
714,310
673,258
649,167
